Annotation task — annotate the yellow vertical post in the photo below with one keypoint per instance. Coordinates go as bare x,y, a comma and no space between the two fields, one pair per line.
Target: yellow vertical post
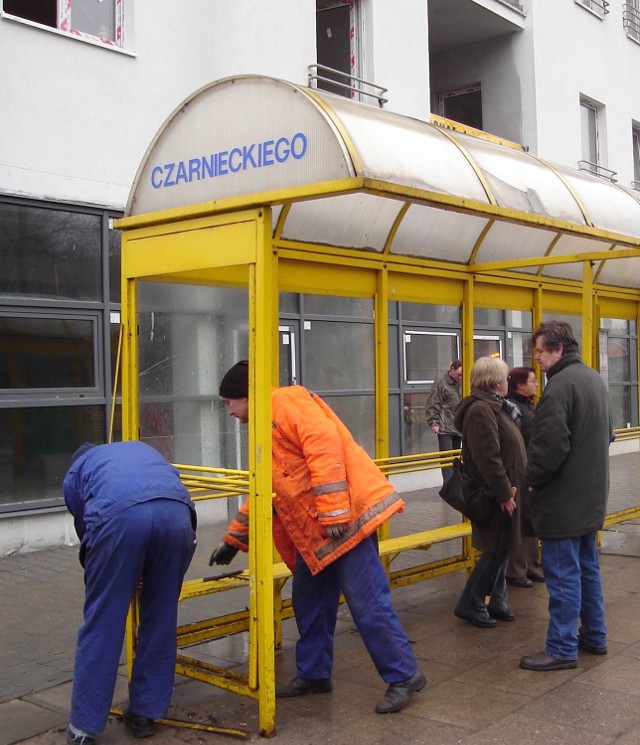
381,325
536,320
467,334
588,339
263,294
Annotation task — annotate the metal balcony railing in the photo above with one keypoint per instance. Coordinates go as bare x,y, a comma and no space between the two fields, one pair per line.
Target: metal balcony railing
329,79
514,3
631,20
635,185
597,170
599,7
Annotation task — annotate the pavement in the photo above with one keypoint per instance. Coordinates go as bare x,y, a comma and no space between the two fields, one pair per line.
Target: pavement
476,693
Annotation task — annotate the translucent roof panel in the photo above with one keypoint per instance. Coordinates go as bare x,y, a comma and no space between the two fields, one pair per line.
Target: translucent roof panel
348,220
566,246
623,273
433,233
607,205
509,241
406,151
520,181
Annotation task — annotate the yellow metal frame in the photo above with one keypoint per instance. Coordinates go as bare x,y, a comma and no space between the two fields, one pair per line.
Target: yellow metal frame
233,243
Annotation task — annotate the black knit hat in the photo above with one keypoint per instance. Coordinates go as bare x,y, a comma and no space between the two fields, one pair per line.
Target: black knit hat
235,383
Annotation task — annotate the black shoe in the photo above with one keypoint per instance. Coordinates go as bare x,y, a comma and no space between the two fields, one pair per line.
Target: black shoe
398,695
300,687
520,581
543,662
591,648
74,739
501,614
481,621
535,576
137,725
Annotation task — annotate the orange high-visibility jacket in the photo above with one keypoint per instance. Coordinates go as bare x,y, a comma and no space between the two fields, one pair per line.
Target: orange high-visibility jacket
321,476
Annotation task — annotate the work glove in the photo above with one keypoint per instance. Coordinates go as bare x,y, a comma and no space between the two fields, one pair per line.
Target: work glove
336,531
222,554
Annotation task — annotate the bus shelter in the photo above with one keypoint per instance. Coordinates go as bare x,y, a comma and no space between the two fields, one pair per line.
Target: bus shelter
255,189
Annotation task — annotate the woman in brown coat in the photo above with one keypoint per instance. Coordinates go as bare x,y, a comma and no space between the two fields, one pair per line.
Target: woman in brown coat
493,450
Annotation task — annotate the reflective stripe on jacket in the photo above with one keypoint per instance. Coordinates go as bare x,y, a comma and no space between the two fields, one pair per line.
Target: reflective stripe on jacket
321,476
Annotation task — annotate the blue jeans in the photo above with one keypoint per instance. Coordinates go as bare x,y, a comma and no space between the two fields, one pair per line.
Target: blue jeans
360,576
572,574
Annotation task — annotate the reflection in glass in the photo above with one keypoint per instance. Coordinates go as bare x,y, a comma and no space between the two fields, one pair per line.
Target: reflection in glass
114,265
487,346
573,320
519,349
620,397
339,356
619,360
189,336
519,319
427,313
47,352
36,445
418,437
358,414
49,253
427,355
334,305
488,317
619,325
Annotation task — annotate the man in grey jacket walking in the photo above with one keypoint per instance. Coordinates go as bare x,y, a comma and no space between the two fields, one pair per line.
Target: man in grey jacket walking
568,480
441,405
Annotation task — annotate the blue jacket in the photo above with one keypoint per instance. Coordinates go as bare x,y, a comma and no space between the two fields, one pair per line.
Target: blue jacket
108,479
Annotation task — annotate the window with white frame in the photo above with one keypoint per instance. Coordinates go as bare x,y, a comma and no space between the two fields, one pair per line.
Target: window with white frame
635,139
95,20
593,132
599,8
338,44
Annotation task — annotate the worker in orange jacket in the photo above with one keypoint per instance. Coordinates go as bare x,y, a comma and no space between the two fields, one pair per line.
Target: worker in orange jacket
330,498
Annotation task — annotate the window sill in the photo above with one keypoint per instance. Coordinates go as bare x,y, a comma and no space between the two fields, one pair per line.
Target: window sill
94,42
599,14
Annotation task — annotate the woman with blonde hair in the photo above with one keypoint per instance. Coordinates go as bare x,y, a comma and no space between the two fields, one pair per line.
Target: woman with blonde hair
493,451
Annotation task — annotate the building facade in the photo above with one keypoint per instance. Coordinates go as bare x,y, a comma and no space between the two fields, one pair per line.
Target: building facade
90,84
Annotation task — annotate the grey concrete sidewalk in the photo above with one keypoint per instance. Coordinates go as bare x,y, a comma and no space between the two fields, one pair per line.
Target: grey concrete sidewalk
476,693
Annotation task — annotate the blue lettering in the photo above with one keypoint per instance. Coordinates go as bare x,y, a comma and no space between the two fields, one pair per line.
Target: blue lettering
247,156
238,152
194,169
169,169
208,166
181,175
282,150
299,137
223,162
157,171
267,153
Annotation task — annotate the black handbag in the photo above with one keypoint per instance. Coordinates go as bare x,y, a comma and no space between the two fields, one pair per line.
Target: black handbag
467,494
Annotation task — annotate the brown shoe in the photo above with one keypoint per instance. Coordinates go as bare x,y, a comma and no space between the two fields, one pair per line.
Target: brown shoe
519,581
542,662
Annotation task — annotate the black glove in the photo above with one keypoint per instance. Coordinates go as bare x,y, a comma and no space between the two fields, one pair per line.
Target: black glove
223,554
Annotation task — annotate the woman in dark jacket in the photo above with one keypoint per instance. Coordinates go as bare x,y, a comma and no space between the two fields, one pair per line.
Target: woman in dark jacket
493,451
522,570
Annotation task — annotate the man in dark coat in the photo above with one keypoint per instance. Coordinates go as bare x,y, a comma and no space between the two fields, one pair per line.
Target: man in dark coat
568,481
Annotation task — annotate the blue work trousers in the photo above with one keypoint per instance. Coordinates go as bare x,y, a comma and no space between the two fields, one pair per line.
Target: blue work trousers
572,574
150,542
360,576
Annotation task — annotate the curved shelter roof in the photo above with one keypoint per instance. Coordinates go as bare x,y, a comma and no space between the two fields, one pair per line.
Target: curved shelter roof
342,173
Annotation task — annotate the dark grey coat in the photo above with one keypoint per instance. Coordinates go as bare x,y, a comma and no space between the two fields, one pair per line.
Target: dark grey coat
569,452
494,452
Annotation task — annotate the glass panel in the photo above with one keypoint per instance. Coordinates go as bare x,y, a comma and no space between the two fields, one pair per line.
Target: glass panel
95,18
620,397
189,337
519,349
47,352
33,10
36,445
428,355
339,356
114,265
636,148
619,325
418,437
619,360
488,317
358,413
486,346
287,362
116,362
449,314
519,319
289,302
588,123
338,305
49,253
